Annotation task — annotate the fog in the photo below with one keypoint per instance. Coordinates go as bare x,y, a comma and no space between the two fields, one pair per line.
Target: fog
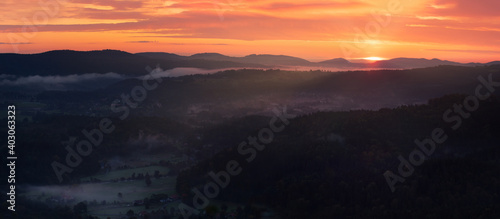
88,81
177,72
92,81
70,82
80,192
146,143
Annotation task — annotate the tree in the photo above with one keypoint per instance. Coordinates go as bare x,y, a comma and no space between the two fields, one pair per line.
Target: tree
146,203
148,180
211,210
80,208
130,213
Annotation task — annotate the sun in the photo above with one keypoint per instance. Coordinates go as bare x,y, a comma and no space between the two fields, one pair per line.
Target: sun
374,58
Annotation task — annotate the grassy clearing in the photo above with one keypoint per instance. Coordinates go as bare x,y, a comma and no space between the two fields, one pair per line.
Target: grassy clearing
108,191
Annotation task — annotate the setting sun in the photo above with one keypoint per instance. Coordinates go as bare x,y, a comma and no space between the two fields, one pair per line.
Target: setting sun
374,58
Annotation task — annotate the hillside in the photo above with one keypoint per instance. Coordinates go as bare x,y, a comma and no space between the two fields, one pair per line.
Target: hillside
68,62
333,164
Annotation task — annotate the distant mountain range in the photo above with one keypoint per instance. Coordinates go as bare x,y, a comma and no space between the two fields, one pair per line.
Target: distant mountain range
67,62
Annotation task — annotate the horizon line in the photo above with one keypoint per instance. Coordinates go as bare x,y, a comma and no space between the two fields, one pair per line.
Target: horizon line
363,59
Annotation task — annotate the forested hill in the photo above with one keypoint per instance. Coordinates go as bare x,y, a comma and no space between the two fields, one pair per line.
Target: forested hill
332,164
69,62
250,91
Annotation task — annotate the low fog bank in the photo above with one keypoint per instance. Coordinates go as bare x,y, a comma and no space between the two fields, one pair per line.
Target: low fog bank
93,81
85,82
89,81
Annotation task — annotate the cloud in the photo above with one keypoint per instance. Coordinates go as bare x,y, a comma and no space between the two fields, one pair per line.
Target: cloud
16,43
465,50
113,15
467,8
200,44
116,4
142,41
272,7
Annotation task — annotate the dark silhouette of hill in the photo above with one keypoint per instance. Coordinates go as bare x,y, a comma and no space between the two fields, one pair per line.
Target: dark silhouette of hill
493,63
337,61
212,56
412,63
282,60
263,60
275,60
327,162
331,164
340,63
250,91
67,62
161,55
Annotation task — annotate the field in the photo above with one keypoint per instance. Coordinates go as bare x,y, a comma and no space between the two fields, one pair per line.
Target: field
96,194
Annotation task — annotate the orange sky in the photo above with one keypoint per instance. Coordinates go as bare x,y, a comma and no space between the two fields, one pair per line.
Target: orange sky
457,30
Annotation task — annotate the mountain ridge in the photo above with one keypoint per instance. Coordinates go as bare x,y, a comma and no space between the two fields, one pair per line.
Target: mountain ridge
67,62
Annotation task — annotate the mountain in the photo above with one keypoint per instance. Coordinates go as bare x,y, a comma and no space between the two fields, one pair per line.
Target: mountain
340,63
252,90
68,62
275,60
339,159
412,63
212,56
264,59
161,55
337,61
282,60
493,63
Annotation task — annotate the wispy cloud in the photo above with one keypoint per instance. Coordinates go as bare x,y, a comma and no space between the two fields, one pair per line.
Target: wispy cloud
466,50
142,41
16,43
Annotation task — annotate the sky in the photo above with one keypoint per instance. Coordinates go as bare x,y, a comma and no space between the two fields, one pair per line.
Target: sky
456,30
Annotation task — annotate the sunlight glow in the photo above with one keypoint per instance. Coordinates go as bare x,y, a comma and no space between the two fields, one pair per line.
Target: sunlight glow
374,58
